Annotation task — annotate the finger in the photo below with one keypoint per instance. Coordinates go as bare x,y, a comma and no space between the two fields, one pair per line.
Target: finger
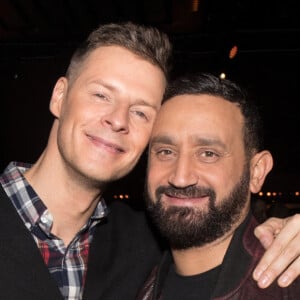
290,274
266,231
264,272
286,256
283,252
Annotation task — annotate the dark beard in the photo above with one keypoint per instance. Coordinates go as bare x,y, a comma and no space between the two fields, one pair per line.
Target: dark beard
186,227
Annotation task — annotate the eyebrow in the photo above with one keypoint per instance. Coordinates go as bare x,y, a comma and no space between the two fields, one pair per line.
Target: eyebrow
103,83
209,142
142,102
161,139
200,141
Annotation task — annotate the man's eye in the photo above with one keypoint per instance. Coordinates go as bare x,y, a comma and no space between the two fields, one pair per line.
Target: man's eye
141,114
208,156
164,152
101,96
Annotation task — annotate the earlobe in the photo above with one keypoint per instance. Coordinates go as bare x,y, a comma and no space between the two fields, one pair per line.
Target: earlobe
58,94
261,165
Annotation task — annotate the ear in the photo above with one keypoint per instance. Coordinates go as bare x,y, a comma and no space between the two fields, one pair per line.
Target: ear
261,165
58,94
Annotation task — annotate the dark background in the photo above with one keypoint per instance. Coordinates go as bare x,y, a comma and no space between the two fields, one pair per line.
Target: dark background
37,38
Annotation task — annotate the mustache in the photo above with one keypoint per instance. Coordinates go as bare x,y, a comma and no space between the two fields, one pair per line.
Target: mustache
188,192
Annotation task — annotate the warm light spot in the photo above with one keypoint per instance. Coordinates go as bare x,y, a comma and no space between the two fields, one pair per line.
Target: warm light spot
233,52
222,75
195,5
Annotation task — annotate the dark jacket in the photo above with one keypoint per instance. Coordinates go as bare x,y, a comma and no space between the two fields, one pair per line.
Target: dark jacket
235,278
122,253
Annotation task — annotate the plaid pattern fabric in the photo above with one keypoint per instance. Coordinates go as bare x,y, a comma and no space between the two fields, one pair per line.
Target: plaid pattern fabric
67,265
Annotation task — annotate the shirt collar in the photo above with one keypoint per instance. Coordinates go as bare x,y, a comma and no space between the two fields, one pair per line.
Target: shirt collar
29,205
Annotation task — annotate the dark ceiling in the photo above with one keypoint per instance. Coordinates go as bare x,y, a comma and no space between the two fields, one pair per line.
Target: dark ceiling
203,25
37,37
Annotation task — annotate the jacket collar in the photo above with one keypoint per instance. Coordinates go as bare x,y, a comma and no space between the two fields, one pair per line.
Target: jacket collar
238,264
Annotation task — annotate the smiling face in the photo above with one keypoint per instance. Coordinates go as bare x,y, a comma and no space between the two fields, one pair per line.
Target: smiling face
199,179
104,118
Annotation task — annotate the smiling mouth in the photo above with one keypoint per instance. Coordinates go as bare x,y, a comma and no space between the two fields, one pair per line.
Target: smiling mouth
102,143
180,195
184,200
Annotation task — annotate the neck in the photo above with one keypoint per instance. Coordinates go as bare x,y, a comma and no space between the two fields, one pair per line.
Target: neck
198,260
71,201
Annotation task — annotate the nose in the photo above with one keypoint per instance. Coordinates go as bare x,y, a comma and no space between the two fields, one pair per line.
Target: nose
183,173
117,119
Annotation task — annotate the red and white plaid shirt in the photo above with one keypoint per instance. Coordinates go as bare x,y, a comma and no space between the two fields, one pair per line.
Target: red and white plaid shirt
67,265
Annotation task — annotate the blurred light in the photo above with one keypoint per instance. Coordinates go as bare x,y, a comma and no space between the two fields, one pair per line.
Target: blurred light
268,194
195,5
297,193
233,52
274,194
222,75
260,193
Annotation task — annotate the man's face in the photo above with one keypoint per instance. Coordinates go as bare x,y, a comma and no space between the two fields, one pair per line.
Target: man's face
104,118
198,176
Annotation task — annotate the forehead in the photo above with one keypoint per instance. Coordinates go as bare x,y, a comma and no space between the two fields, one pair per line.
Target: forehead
109,55
126,72
201,115
120,61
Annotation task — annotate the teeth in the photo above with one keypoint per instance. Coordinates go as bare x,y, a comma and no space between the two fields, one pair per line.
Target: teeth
186,196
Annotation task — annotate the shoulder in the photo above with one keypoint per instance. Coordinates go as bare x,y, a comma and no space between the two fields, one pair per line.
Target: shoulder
121,212
126,223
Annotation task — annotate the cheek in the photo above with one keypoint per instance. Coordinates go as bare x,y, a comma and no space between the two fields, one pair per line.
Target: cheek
80,105
140,138
151,169
152,185
224,179
157,175
71,112
215,175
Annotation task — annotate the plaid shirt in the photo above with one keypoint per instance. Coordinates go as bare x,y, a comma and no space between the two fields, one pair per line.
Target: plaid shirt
67,265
